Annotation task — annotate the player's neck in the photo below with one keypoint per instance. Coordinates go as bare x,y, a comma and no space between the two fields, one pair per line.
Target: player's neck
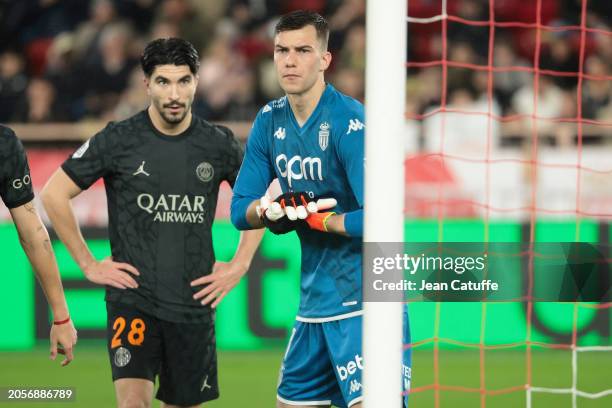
169,129
304,104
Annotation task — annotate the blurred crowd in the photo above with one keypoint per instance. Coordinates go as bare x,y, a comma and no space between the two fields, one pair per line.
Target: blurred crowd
518,49
73,60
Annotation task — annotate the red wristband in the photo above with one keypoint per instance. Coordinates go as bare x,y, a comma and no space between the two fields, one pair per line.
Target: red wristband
62,321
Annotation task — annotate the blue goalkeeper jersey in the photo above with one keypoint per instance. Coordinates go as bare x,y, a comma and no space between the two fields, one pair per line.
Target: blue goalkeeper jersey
324,157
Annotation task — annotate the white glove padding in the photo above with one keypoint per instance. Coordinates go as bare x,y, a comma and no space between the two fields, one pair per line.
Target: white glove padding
274,210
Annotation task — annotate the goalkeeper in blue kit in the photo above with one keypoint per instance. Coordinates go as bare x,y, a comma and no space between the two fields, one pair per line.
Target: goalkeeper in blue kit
312,140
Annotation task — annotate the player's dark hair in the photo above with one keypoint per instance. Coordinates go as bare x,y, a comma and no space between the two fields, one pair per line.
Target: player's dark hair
302,18
169,51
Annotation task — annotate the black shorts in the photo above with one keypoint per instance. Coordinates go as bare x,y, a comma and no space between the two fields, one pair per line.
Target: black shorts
182,354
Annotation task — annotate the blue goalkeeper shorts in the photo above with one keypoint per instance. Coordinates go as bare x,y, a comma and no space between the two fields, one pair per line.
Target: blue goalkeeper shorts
323,364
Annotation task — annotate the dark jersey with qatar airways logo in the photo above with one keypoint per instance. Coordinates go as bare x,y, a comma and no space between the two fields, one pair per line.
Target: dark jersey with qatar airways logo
162,196
15,180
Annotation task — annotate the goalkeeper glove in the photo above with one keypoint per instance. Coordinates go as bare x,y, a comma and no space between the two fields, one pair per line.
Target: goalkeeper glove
291,209
318,221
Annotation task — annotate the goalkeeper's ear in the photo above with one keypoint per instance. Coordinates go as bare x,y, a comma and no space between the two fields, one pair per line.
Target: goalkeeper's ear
326,58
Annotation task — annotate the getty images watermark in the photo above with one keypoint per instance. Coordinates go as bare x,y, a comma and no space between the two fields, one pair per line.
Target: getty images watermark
486,272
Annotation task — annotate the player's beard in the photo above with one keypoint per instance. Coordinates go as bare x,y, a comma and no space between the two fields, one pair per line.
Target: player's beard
169,118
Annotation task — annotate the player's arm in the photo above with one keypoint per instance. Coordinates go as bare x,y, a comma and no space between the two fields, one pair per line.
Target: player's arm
36,244
56,196
254,178
335,224
17,193
226,275
350,149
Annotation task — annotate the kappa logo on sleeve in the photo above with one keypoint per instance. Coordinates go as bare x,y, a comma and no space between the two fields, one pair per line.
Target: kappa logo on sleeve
354,126
280,133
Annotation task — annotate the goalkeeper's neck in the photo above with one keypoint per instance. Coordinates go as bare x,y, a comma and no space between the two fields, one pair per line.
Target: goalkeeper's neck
304,103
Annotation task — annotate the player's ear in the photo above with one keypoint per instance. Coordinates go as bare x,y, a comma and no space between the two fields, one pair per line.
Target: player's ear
326,58
147,82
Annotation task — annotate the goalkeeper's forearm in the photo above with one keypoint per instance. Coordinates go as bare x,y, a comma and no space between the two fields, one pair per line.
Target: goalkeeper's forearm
350,224
335,224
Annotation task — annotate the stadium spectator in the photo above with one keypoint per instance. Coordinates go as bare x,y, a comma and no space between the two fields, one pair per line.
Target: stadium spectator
140,13
247,15
39,104
352,54
562,57
350,81
346,14
164,29
460,134
215,86
87,35
477,36
109,78
597,92
552,103
184,15
426,88
13,83
506,83
133,100
62,73
461,52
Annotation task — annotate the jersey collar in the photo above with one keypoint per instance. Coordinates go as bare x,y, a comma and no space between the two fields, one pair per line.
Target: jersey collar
164,136
315,113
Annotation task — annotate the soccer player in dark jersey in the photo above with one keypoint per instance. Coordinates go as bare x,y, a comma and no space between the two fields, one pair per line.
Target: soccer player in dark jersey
162,169
16,192
312,141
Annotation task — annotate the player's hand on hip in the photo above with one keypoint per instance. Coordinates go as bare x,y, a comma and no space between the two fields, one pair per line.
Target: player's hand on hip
63,338
115,274
290,210
223,278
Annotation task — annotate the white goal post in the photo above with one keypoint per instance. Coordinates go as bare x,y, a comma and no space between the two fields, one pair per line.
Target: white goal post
386,41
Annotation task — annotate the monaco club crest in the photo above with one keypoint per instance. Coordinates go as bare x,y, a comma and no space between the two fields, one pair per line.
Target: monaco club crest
324,135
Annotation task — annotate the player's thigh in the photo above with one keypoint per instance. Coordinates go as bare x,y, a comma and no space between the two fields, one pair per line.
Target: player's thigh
343,339
134,392
306,376
133,343
188,375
